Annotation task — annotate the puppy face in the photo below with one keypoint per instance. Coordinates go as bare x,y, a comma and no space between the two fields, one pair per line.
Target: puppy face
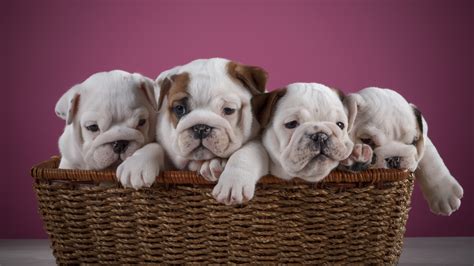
306,129
110,116
206,107
391,126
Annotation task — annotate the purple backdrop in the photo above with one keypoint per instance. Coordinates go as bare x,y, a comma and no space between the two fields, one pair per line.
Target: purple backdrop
423,49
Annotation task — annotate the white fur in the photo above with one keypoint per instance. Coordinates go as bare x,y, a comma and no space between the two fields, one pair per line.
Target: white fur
229,153
317,108
115,101
389,120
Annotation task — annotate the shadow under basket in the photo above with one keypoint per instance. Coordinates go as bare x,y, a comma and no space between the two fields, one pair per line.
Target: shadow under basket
346,218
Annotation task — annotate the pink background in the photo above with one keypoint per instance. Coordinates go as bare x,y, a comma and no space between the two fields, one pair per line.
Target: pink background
423,49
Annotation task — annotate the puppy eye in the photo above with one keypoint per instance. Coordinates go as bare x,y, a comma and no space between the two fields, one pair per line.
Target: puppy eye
340,125
93,128
229,111
292,124
179,110
141,122
415,141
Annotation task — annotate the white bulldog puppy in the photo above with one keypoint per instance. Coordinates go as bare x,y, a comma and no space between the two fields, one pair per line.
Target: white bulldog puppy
397,134
306,130
108,117
206,124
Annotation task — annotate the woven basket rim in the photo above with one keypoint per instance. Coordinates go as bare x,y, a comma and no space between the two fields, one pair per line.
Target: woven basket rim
48,170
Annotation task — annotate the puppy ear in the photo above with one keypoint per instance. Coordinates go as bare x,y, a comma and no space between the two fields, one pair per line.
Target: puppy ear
252,77
422,130
67,105
147,86
352,103
263,105
180,81
339,93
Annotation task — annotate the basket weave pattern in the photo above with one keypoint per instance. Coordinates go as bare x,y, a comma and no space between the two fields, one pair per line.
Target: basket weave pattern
350,218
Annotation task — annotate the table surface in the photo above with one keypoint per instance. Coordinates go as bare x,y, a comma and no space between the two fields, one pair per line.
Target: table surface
416,251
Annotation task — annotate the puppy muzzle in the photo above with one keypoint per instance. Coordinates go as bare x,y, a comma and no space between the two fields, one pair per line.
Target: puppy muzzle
112,146
315,149
202,135
395,156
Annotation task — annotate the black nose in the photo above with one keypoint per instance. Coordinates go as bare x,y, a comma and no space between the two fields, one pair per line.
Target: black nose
201,131
393,162
120,146
319,137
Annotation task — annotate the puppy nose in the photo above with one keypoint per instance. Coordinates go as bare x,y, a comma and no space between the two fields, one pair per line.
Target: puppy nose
201,131
120,146
319,137
393,162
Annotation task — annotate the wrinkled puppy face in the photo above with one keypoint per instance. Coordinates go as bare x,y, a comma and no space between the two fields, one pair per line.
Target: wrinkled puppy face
112,114
207,107
391,126
307,129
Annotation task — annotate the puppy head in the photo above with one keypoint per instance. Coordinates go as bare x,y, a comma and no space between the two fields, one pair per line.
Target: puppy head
393,128
206,107
112,115
306,129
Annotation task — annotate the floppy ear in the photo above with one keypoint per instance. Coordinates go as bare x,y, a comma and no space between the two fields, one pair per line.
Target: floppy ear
263,105
252,78
67,105
421,131
352,103
147,86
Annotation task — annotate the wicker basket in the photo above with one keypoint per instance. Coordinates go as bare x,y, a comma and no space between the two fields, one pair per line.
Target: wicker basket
347,218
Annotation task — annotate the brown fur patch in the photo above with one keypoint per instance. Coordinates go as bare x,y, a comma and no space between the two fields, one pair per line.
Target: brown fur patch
263,105
175,88
252,78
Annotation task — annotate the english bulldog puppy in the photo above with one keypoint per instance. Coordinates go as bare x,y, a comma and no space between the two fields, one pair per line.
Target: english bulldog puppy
108,118
206,124
397,134
306,130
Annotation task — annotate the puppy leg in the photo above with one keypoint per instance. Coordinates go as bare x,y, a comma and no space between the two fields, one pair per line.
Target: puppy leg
359,160
141,169
242,171
440,189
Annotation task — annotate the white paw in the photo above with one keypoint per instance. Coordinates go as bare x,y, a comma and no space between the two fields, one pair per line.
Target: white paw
137,172
233,189
445,197
211,170
360,158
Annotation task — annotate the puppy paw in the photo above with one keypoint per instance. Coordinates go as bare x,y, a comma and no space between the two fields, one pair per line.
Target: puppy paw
360,158
136,172
233,189
445,197
209,169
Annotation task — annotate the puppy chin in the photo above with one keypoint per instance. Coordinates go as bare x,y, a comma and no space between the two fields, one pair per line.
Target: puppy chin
315,170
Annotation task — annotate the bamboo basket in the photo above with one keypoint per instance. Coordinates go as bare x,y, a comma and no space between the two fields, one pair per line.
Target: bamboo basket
347,218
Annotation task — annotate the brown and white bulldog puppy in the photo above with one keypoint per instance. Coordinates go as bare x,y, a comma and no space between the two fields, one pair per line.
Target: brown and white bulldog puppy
397,134
206,124
108,117
306,130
